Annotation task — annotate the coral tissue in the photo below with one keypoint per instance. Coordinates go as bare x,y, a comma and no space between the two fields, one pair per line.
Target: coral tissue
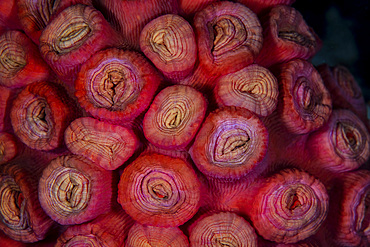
176,123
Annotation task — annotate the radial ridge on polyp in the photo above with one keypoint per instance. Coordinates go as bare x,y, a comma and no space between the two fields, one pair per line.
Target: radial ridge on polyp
21,216
224,229
253,87
169,42
229,37
20,61
291,206
159,190
350,209
343,144
174,117
231,144
286,36
304,103
40,114
346,92
109,229
140,235
116,85
107,145
73,36
73,191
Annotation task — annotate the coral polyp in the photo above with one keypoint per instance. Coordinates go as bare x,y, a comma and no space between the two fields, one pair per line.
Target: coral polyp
176,123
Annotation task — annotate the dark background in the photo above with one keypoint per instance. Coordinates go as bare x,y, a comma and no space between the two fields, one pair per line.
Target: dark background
344,27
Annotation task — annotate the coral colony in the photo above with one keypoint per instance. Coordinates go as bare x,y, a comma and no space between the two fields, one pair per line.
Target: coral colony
176,123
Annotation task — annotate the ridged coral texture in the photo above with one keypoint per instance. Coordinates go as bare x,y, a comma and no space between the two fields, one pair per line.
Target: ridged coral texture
176,123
